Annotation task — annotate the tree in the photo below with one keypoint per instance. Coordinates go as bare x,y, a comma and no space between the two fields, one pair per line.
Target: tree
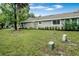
21,12
7,13
71,25
32,15
2,21
15,13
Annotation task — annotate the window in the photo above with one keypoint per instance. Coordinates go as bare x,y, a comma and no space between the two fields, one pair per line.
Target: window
56,21
39,22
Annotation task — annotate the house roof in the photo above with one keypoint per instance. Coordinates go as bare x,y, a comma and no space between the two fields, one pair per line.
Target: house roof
54,17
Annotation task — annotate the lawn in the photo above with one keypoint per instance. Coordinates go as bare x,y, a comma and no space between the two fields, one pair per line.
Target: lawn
35,42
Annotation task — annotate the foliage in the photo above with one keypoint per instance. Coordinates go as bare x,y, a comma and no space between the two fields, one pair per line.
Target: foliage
32,15
71,25
14,12
22,11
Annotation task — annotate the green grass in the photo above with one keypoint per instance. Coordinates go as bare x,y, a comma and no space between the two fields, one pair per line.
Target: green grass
35,42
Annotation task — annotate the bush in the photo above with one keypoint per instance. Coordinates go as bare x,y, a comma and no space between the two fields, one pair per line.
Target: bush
71,26
62,28
30,28
52,28
55,27
58,28
45,28
40,28
48,28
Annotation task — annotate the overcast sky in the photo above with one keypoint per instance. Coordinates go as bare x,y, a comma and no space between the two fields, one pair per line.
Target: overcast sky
44,9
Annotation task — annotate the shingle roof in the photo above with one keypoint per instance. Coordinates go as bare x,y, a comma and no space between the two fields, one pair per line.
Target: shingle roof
54,17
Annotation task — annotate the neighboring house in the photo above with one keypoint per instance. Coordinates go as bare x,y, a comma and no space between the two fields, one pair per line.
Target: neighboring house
57,20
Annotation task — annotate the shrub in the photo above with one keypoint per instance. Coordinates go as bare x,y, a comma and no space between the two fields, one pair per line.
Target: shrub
62,28
31,28
55,27
42,28
58,28
46,28
52,28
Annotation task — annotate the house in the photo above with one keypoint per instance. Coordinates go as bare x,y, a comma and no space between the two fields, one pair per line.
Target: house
57,20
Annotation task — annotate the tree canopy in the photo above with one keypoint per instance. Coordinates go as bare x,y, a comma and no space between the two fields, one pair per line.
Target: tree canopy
14,13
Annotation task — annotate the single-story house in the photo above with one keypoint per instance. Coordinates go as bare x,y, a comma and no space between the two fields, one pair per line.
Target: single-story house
57,20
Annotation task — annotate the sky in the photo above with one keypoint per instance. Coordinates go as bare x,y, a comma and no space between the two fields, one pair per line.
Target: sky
43,9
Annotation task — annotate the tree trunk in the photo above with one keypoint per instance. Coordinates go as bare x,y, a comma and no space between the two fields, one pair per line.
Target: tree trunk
1,25
15,15
15,25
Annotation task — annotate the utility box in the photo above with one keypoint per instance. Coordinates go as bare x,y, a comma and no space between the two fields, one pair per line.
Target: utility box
51,45
64,38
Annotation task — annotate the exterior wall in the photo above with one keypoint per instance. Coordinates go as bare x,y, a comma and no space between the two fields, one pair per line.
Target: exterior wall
49,24
62,22
43,24
29,25
35,25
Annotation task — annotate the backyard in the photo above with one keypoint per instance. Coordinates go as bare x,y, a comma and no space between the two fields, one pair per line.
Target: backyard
35,42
